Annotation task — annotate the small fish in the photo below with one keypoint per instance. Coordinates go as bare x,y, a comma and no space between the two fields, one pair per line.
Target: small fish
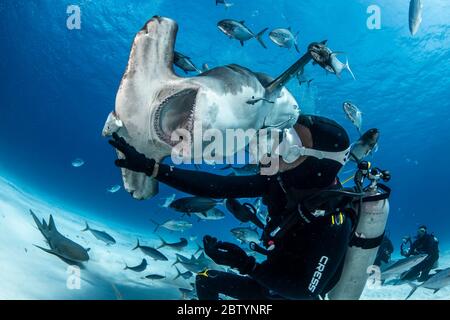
155,277
173,225
112,124
113,189
184,63
78,162
284,38
151,252
168,201
187,294
139,268
436,282
254,101
225,4
246,235
211,214
308,82
415,15
100,235
367,144
205,67
180,245
243,212
190,205
237,30
193,238
185,275
353,114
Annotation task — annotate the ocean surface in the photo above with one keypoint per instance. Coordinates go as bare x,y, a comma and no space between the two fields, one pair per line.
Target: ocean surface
59,85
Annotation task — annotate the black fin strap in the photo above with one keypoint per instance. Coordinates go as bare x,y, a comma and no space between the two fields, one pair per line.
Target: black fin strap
366,244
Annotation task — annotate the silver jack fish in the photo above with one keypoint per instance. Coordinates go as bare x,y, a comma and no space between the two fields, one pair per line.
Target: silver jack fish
284,38
415,15
237,30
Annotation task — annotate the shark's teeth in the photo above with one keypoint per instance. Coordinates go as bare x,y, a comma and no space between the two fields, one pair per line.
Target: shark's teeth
176,111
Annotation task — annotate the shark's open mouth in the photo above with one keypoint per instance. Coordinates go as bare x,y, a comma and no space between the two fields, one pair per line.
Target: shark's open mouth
175,112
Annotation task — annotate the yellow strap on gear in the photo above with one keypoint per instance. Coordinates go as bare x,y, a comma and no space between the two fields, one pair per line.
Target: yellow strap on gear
204,273
347,180
332,219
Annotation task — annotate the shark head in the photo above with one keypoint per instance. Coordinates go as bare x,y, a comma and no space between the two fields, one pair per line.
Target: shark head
153,104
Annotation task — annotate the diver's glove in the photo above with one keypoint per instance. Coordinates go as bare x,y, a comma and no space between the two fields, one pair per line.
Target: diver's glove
228,254
134,160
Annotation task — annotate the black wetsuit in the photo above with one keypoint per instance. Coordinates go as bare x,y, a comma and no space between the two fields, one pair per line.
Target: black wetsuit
426,244
384,252
307,260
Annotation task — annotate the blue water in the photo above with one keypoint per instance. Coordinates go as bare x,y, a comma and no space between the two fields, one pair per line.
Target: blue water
59,85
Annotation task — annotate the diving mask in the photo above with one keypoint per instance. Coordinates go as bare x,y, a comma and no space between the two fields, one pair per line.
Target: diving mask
291,149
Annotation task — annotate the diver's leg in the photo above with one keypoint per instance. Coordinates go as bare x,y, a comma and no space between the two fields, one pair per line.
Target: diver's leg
427,265
307,262
232,285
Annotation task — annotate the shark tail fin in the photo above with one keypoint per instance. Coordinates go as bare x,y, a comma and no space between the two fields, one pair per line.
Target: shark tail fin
164,243
36,220
414,288
86,228
157,225
259,37
177,260
347,66
137,245
51,224
178,274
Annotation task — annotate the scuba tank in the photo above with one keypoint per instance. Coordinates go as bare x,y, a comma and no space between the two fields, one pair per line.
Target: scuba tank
372,211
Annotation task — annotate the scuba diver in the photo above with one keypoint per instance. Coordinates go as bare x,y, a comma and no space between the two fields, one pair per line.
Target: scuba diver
384,252
425,243
307,232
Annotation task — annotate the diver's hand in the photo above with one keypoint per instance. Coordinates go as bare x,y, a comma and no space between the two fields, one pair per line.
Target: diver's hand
134,160
228,254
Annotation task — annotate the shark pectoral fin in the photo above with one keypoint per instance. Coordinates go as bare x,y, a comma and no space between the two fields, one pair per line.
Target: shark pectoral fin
242,43
46,250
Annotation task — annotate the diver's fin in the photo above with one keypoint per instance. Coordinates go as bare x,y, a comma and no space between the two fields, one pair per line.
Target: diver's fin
284,78
137,245
87,227
259,37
